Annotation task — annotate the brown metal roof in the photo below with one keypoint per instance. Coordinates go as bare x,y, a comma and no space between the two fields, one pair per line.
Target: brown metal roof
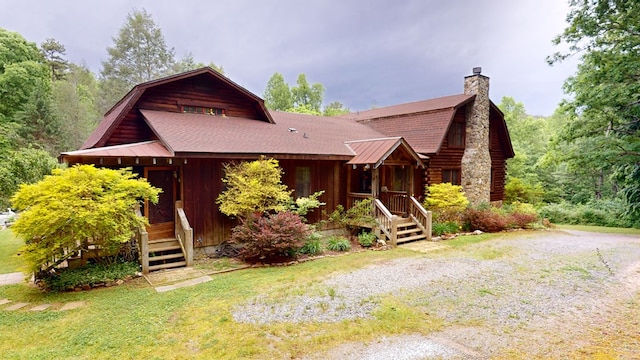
292,134
375,151
142,149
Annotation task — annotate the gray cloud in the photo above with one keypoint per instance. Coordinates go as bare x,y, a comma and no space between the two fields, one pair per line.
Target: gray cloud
373,53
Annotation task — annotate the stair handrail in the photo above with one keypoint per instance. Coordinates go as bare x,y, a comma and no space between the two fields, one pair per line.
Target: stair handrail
420,216
142,238
184,233
388,222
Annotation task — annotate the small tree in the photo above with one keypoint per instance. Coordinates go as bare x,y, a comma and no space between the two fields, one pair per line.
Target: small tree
73,207
252,187
447,201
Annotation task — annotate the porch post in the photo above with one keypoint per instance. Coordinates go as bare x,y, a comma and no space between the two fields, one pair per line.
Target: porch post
375,183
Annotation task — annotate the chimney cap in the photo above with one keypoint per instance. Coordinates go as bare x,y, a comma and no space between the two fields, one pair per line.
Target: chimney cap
477,70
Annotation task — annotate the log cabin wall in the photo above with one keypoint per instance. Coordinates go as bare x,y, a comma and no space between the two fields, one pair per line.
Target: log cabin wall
447,158
498,162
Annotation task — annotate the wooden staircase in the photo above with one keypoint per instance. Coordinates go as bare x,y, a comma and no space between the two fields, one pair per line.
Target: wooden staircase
408,230
165,254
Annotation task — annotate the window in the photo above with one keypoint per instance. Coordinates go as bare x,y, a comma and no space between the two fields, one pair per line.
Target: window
202,110
456,135
451,176
303,181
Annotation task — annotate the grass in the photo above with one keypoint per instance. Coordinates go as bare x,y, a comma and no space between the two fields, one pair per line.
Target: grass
9,246
133,321
600,229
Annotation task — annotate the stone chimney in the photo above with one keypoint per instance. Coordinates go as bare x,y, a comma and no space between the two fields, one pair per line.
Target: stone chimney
476,161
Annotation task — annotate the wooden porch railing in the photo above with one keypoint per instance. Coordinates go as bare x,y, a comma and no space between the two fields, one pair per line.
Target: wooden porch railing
142,238
353,198
420,216
184,233
396,201
387,222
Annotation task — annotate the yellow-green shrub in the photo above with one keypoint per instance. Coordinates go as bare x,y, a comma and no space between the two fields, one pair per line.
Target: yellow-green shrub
447,201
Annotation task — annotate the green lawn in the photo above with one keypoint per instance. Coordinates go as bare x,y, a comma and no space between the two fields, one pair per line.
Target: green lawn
9,245
133,321
601,229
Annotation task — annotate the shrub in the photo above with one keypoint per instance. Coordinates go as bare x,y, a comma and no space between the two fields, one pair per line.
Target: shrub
485,220
445,228
366,238
517,190
313,245
253,186
338,244
359,214
521,220
65,210
274,235
303,205
91,275
447,201
597,213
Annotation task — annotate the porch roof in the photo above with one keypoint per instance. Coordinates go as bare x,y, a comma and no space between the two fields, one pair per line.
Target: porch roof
142,149
375,151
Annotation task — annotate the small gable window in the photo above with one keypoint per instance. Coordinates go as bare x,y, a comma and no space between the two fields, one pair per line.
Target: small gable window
202,110
456,135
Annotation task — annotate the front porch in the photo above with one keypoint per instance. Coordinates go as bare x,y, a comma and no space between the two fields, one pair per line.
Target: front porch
385,170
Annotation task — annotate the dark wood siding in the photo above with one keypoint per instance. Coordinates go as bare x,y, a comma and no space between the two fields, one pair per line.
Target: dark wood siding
132,129
202,182
498,162
196,92
447,158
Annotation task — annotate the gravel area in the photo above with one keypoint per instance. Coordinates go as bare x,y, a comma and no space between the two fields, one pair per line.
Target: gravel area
528,292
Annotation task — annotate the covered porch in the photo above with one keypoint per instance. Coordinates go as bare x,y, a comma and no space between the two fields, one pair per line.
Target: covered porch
385,170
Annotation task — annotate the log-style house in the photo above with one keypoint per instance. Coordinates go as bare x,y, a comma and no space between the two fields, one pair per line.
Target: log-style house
178,132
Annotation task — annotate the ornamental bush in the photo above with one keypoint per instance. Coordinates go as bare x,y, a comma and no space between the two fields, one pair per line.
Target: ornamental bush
76,207
447,201
253,186
270,236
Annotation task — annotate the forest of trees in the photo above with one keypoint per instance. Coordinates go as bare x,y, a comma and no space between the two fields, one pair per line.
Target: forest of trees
583,161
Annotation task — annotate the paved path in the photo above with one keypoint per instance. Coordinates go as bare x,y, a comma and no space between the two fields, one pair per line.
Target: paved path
12,278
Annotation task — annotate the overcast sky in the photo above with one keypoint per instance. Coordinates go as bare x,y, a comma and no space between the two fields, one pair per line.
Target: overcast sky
365,52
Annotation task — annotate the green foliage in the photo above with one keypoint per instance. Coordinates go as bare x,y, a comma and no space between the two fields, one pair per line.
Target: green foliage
313,245
25,166
610,213
139,54
338,243
254,186
447,201
358,215
274,235
605,95
441,228
303,205
73,207
335,108
277,95
307,96
517,190
90,275
54,52
366,238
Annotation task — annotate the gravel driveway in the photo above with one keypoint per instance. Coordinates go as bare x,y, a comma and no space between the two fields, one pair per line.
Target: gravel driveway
535,294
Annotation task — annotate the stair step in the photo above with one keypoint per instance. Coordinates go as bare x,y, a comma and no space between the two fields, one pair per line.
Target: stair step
166,257
412,238
168,265
409,231
165,248
406,224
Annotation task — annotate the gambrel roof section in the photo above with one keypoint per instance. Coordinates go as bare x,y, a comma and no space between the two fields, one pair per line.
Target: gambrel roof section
115,116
